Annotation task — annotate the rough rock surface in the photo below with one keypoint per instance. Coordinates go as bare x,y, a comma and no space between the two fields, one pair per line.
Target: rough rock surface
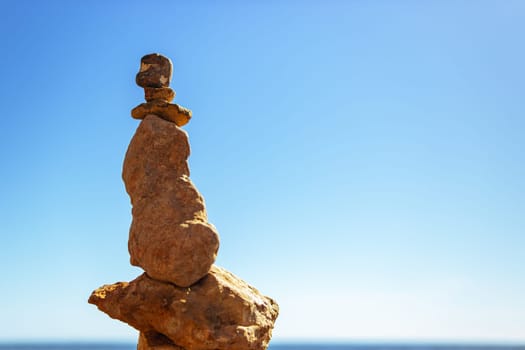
168,111
156,341
155,71
170,237
165,94
220,312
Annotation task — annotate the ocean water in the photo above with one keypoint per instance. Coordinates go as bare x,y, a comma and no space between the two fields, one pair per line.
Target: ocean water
382,346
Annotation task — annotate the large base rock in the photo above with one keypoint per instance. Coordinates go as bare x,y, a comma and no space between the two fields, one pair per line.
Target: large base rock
220,312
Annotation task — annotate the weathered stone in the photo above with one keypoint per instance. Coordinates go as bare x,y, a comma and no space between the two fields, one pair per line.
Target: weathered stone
177,253
167,111
170,237
155,71
155,341
158,148
164,94
220,312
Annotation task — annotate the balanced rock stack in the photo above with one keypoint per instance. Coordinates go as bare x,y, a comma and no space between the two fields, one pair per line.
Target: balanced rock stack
182,301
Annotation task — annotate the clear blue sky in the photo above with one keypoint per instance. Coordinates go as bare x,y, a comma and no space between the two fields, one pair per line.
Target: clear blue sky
363,161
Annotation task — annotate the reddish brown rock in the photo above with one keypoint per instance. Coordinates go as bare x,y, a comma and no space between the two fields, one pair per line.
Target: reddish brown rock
177,253
164,94
167,111
157,146
155,71
170,237
220,312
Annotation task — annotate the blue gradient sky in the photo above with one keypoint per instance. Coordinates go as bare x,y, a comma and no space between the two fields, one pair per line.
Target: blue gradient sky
363,161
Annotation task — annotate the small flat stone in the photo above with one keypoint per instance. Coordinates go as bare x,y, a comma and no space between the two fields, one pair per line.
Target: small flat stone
168,111
164,94
155,71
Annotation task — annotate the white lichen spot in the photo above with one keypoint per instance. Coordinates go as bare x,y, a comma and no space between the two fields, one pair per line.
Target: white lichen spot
144,66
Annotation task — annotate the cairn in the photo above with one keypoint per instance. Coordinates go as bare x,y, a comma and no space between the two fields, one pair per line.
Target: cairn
182,301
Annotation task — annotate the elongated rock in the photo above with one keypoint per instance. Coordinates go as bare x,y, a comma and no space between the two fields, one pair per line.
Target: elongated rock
220,312
170,236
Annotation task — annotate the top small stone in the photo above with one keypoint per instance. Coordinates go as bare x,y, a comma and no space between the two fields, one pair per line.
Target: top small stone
155,71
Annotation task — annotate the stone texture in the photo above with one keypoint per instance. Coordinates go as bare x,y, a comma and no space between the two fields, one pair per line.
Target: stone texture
220,312
167,111
155,341
155,71
170,237
164,94
177,253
